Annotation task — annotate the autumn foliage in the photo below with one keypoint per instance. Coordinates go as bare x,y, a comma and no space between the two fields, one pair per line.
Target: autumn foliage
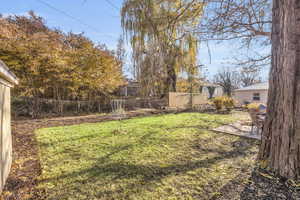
57,65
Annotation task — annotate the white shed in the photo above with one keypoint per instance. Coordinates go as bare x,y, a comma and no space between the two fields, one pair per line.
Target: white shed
217,89
257,93
7,80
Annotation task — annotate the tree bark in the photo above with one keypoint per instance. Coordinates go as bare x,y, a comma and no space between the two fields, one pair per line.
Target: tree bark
280,148
171,79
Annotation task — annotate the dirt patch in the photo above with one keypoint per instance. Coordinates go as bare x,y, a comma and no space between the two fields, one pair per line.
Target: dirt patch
258,184
21,183
264,185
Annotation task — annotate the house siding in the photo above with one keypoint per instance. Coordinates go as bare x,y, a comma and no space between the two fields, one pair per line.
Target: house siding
7,80
5,134
247,96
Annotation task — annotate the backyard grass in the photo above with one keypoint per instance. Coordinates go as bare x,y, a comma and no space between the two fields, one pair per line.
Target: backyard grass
173,156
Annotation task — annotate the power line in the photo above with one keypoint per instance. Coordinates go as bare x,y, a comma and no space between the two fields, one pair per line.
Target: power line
72,17
112,5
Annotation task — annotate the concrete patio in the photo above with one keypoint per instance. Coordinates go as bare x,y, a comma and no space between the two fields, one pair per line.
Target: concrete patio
239,129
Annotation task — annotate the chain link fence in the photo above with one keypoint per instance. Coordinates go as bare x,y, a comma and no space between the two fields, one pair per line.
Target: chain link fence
39,108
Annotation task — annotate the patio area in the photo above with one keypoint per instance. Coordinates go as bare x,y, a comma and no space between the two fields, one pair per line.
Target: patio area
239,128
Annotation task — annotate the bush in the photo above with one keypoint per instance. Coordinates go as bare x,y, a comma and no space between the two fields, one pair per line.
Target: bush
223,102
253,107
218,102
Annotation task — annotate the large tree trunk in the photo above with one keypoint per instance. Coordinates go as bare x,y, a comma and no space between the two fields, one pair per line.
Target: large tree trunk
280,147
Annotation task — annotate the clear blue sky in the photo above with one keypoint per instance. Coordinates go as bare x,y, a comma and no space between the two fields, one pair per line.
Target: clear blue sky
100,21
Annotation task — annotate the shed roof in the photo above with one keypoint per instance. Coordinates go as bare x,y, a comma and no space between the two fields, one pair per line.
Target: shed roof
258,86
208,84
7,75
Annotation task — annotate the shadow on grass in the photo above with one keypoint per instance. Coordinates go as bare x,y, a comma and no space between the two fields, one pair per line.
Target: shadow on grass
151,174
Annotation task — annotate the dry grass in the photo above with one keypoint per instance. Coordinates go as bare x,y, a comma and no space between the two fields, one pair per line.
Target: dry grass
172,156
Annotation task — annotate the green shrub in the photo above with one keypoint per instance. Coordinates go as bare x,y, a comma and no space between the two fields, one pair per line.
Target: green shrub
223,102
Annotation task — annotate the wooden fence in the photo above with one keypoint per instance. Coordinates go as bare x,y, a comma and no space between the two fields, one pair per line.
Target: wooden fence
186,100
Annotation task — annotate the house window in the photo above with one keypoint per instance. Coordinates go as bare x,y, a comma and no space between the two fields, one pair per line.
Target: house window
256,97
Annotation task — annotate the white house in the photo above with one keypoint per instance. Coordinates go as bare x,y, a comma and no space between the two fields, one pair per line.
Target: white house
7,80
257,93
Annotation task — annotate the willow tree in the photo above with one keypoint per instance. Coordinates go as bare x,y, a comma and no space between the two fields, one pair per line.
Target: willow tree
162,41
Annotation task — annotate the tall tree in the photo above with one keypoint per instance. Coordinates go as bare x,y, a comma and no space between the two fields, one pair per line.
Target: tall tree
249,76
121,52
246,21
280,148
161,38
228,79
51,64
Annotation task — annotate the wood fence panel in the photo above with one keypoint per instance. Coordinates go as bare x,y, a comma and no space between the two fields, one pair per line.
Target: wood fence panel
186,100
199,99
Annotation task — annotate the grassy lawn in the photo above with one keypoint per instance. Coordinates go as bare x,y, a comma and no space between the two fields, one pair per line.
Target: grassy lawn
172,156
